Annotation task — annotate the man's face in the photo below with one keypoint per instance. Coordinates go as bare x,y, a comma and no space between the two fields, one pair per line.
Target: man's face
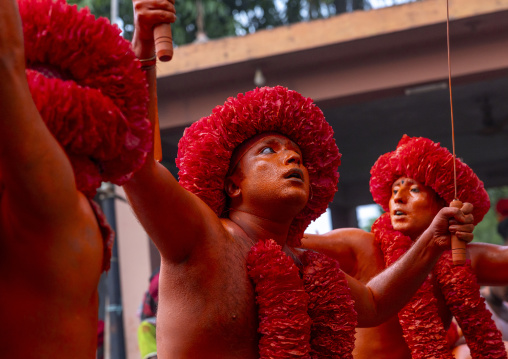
272,170
412,206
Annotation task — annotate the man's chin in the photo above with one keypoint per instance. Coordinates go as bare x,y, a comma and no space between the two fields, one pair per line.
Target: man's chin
297,201
406,231
400,227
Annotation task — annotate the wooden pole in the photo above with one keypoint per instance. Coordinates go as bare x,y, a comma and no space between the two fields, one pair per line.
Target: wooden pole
164,50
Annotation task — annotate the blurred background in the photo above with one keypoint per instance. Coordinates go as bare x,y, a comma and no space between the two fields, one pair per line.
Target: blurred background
377,69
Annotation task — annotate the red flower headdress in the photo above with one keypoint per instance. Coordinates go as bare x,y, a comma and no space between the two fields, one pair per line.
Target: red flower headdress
432,165
428,163
502,207
205,150
89,89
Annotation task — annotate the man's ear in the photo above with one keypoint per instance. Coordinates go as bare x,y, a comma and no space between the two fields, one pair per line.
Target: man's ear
231,187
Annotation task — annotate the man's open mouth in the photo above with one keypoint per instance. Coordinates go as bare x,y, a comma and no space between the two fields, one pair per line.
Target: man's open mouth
295,173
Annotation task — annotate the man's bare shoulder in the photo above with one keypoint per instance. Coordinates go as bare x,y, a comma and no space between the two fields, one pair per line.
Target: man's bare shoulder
351,234
222,238
233,232
343,236
347,245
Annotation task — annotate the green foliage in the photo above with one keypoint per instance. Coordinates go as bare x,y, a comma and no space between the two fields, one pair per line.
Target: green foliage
229,17
263,14
486,230
217,19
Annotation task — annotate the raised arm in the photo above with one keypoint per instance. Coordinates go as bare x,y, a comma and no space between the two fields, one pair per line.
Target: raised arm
490,263
38,181
389,291
175,219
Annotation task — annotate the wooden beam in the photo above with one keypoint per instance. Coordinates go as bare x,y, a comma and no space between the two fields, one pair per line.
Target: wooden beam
320,33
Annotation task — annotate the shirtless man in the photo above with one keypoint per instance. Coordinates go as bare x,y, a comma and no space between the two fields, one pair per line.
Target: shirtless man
54,244
259,168
413,184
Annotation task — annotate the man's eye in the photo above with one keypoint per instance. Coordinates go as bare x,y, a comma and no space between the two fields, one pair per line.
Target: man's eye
415,189
395,191
267,150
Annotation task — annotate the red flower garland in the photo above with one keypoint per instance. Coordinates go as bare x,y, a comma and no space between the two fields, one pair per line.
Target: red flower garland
468,307
282,303
423,329
331,307
313,318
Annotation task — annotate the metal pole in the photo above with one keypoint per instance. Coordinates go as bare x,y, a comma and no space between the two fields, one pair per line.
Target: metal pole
114,11
114,310
349,6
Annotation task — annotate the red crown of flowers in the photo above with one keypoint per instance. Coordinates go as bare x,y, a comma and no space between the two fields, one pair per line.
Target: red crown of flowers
205,150
432,165
502,207
89,89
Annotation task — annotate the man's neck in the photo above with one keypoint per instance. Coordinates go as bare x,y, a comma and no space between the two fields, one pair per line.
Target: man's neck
259,228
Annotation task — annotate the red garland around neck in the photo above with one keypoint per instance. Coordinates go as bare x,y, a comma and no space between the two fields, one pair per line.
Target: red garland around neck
423,329
309,318
282,302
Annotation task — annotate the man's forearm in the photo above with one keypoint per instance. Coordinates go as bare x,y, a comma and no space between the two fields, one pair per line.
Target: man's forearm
395,286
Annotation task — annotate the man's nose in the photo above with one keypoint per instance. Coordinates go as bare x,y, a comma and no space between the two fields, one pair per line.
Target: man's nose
400,196
292,157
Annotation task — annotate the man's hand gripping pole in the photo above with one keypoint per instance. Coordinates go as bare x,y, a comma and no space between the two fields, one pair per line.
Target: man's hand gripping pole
458,246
